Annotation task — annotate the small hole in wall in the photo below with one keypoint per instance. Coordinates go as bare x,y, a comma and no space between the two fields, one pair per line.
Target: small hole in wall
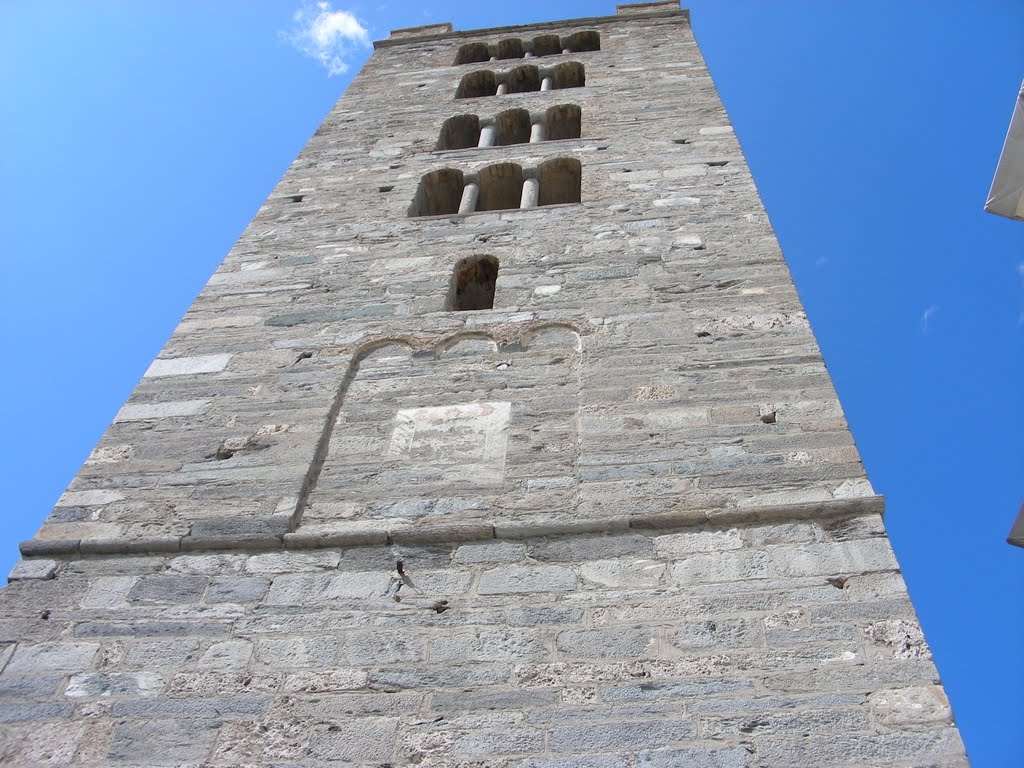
421,85
717,163
386,188
295,198
601,149
680,141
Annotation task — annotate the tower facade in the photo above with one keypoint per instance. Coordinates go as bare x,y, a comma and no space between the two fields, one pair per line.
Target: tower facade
500,438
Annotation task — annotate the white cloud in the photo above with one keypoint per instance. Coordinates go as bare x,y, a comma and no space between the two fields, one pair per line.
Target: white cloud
325,35
927,315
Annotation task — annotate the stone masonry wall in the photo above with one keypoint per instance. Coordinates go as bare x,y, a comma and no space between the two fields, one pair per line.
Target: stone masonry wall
616,521
790,644
691,335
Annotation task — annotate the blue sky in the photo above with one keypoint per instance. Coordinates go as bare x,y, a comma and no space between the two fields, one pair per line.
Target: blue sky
139,138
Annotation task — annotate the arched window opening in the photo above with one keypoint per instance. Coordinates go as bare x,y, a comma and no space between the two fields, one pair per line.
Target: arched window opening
524,79
581,42
471,53
438,194
501,187
472,284
476,84
560,181
569,75
546,45
512,48
459,132
513,126
563,122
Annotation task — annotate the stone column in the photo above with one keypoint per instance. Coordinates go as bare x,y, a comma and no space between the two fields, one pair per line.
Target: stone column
546,84
502,89
470,194
531,193
488,135
537,132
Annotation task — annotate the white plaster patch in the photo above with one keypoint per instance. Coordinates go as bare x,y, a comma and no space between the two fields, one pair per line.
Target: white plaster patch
181,366
467,441
161,410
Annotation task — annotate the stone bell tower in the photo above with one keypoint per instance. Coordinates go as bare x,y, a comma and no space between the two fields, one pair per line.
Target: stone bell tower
499,439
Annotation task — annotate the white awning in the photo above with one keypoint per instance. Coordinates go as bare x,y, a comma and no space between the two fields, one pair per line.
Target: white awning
1006,197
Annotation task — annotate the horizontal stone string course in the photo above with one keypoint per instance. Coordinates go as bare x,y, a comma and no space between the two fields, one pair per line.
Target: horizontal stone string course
356,534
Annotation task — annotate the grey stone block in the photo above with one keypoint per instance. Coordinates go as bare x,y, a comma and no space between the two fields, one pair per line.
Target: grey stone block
151,629
320,588
500,741
490,552
618,737
541,615
168,590
695,757
489,645
378,647
237,590
51,657
663,690
472,701
228,655
162,654
518,579
718,633
592,548
28,711
29,686
588,761
162,742
465,676
364,740
114,684
33,569
209,707
615,642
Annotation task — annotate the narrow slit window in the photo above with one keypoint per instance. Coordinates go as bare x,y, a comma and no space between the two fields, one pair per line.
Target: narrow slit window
472,284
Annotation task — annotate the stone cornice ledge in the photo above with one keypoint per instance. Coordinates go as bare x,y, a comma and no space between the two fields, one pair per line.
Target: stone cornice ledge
431,31
357,534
